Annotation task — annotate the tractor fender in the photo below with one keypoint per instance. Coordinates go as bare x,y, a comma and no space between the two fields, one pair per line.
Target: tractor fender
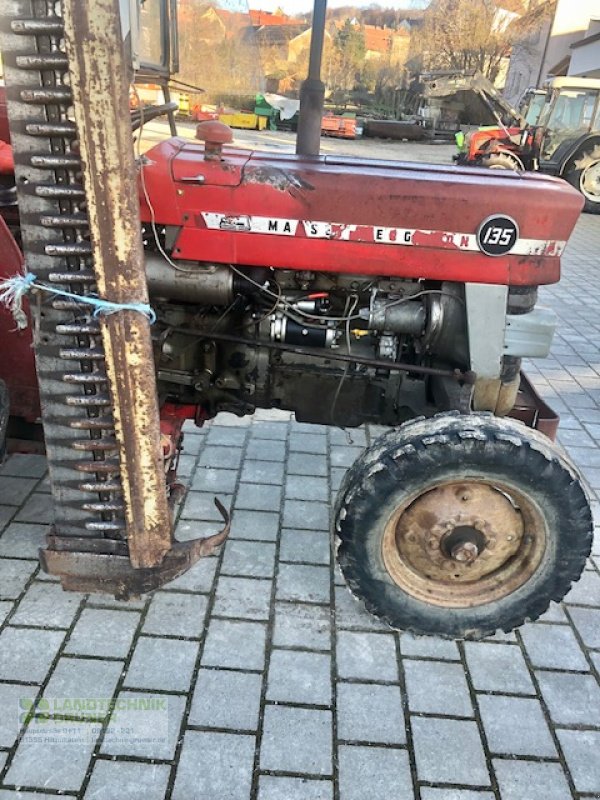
579,152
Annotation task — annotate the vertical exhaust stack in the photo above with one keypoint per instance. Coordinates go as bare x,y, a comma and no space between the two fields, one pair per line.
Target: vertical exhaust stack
312,92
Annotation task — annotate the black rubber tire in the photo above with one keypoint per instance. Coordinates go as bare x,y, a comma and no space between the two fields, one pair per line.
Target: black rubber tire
574,178
502,161
447,447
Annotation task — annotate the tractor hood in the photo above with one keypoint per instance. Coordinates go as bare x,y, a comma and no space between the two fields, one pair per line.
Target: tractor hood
342,214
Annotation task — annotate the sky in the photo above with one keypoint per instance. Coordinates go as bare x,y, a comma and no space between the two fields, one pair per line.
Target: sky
301,6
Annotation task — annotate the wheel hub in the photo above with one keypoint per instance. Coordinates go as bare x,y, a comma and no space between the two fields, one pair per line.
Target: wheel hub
590,181
464,544
461,544
467,551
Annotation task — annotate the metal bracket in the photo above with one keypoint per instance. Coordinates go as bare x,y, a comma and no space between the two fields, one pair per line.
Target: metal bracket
486,321
103,565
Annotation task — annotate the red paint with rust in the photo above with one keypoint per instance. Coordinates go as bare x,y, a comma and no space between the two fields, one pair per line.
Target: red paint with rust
178,412
17,367
490,140
360,193
172,417
7,162
4,128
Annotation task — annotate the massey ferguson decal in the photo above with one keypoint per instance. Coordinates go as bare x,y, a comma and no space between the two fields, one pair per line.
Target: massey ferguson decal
496,236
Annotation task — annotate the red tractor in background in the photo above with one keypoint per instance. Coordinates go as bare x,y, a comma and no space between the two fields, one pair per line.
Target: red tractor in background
346,290
498,147
564,141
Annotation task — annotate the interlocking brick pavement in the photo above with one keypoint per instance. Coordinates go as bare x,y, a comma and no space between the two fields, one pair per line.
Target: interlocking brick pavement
270,682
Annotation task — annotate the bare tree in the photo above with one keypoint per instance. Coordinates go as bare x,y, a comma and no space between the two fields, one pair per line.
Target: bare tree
218,52
470,35
346,58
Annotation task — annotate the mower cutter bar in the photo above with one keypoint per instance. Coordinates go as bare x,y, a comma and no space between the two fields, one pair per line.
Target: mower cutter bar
113,520
48,170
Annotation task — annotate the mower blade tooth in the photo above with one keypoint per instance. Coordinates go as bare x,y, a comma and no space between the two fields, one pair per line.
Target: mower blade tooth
106,467
64,221
68,249
60,192
100,487
62,130
104,445
40,61
78,329
108,526
55,161
49,26
104,507
47,97
82,354
93,424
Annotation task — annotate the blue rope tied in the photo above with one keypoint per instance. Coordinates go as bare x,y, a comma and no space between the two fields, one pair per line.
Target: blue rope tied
12,291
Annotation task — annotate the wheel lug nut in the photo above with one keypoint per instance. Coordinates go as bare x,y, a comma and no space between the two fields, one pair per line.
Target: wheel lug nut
465,552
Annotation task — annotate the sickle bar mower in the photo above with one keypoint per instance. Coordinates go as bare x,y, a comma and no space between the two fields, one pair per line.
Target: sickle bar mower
67,92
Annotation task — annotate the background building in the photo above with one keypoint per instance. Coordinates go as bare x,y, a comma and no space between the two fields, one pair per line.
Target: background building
547,39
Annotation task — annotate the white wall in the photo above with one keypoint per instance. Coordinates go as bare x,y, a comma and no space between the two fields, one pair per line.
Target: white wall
585,61
532,61
571,23
524,66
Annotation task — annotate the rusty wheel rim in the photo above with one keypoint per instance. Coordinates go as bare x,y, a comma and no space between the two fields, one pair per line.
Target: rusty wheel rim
465,543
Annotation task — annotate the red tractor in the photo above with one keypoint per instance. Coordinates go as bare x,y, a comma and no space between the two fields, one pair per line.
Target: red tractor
348,291
502,146
564,141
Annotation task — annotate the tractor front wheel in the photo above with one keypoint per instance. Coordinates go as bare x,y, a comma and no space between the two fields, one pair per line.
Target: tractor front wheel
459,525
587,181
502,160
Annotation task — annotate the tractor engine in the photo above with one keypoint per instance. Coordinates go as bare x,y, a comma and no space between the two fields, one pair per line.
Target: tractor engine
326,346
342,289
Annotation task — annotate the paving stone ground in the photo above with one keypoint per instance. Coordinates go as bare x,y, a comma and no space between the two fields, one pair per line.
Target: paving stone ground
257,677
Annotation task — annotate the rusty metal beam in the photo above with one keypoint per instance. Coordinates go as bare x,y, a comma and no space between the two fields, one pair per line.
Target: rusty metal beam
100,85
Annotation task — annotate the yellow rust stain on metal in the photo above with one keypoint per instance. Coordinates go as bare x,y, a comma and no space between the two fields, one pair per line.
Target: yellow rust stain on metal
99,80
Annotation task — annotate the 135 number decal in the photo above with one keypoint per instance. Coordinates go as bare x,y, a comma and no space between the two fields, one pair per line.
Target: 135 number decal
497,235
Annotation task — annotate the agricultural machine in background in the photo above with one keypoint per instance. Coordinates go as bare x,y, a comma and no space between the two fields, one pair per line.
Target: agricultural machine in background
564,140
275,112
443,102
348,291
